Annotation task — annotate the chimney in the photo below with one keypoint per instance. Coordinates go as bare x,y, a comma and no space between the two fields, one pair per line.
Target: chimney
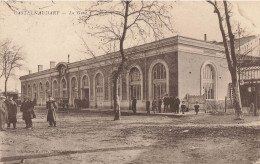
205,37
30,71
68,58
52,64
40,68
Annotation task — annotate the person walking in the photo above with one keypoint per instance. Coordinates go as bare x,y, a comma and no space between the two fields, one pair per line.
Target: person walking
159,104
177,104
196,107
51,115
134,101
27,108
3,113
12,112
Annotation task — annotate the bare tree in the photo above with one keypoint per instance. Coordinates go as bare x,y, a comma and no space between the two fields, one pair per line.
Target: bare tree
125,21
223,11
10,59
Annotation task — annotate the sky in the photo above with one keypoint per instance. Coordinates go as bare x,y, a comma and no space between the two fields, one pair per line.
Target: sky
53,37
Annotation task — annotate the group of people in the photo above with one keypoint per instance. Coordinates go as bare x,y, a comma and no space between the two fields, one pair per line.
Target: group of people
169,103
8,112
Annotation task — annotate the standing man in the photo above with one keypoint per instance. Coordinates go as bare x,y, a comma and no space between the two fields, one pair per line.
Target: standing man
159,104
177,104
171,101
196,107
134,101
12,112
154,105
148,106
166,103
183,107
3,113
51,116
28,113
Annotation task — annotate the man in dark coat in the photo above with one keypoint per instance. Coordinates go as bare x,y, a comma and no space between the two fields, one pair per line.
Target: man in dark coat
196,107
166,103
134,101
177,104
171,100
12,112
51,116
148,106
28,113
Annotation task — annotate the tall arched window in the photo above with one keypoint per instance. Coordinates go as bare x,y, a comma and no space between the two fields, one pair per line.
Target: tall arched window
55,89
74,88
99,87
29,91
135,83
47,90
208,81
34,91
63,88
24,91
158,80
85,87
40,87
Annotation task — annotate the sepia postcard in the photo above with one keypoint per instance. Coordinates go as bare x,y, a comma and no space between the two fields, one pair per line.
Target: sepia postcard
130,82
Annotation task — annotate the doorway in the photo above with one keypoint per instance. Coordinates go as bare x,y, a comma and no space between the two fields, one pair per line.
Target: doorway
85,97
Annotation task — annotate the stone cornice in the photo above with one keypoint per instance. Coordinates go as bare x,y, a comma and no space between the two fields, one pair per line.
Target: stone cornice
176,43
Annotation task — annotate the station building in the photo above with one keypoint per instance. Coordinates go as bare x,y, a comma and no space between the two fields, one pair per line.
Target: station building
176,66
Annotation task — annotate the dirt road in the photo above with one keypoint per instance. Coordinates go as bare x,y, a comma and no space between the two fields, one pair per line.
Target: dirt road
93,137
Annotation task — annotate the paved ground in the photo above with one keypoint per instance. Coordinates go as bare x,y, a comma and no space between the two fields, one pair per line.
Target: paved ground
91,136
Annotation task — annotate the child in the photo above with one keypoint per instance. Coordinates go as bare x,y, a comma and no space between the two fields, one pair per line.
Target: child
183,107
196,106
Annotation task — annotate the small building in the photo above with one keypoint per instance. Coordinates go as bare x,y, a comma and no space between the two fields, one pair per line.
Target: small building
176,66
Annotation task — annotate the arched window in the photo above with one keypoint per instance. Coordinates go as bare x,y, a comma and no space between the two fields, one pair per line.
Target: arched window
55,89
85,87
99,87
208,81
158,80
85,82
34,91
40,87
24,91
47,89
135,83
74,88
63,88
29,91
47,86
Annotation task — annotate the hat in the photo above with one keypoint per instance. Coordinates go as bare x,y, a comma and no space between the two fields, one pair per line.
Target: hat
51,98
2,97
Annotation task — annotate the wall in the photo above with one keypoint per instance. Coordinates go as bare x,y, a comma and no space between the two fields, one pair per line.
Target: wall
190,74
